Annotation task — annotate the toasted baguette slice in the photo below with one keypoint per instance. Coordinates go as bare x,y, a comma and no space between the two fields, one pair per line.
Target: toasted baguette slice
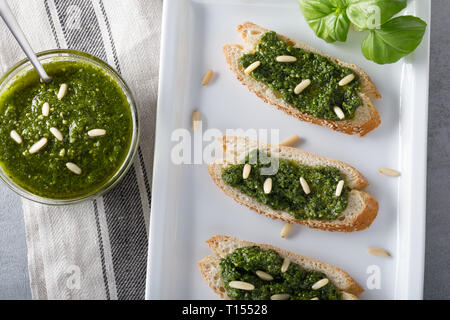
366,118
223,245
361,210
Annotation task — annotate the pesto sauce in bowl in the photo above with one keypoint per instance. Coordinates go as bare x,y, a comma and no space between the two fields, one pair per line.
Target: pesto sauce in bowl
287,193
242,264
94,100
319,98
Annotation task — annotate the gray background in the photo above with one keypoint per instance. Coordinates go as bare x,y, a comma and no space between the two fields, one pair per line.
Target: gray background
437,261
14,282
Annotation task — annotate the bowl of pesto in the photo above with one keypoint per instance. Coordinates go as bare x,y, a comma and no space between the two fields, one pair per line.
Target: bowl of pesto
72,139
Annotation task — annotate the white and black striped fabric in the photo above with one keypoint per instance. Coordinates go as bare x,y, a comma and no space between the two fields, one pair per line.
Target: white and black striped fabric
97,249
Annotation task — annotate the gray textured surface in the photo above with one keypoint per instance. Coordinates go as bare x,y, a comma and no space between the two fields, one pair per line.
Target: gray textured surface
437,276
13,254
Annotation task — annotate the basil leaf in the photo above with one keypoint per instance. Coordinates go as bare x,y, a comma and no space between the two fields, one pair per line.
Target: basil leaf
370,14
394,40
327,18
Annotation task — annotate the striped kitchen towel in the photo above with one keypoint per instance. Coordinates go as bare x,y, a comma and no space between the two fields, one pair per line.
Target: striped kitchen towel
97,249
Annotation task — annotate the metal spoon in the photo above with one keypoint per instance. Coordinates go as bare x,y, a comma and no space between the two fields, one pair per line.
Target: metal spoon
16,30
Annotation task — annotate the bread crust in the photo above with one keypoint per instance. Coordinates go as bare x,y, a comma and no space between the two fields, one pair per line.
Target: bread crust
203,266
355,222
368,90
338,277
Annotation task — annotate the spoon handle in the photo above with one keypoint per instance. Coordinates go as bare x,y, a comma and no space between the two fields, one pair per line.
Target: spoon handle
16,30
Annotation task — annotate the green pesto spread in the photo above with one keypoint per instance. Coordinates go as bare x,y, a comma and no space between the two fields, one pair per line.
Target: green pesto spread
287,193
242,264
324,93
93,101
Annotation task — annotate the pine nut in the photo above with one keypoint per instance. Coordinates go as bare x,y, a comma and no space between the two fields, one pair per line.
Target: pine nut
73,167
96,133
58,135
264,275
38,145
285,265
339,188
207,78
348,296
241,285
305,185
320,284
246,171
290,141
302,86
62,91
16,137
267,186
286,230
280,296
46,109
340,114
252,67
286,59
196,120
378,252
346,80
389,172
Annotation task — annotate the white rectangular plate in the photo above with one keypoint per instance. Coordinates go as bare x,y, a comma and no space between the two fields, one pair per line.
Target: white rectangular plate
187,208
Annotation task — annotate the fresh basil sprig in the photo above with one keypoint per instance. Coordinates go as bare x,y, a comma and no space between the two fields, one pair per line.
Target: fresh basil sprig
327,18
394,40
389,39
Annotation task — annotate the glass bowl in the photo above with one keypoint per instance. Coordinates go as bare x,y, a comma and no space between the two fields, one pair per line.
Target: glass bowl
77,56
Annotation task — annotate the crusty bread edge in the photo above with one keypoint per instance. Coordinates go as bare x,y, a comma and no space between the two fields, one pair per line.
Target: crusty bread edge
364,218
201,266
351,287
